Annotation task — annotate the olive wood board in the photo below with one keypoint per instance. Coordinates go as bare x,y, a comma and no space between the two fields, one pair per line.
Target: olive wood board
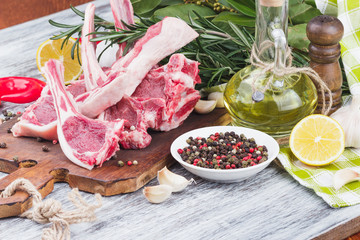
43,169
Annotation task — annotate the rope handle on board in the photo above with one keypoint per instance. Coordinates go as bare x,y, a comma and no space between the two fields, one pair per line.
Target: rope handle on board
50,210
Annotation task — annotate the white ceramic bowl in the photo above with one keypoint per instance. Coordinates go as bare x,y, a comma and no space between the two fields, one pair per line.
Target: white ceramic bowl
226,175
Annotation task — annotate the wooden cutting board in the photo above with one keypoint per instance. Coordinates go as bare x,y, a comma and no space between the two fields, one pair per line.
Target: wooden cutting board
43,169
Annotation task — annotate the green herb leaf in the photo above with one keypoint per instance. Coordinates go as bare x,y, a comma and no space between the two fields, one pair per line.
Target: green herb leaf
297,37
144,6
244,9
170,2
183,11
241,35
311,3
235,18
301,12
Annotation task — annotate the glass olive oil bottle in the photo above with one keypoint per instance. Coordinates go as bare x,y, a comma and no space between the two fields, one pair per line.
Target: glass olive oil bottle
270,101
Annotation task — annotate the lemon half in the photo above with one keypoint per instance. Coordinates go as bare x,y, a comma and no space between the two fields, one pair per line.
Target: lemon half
317,140
51,49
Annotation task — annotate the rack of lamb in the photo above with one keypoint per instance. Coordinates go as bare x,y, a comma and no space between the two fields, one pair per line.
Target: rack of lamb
116,105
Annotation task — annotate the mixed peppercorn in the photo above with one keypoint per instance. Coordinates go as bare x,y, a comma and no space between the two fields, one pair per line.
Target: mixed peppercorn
8,115
223,151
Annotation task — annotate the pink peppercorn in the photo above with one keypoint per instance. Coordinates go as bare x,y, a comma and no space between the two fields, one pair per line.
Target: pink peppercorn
129,163
180,151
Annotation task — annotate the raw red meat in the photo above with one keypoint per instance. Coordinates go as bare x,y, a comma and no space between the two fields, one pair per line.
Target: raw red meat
162,101
39,119
159,41
173,82
86,142
139,114
133,95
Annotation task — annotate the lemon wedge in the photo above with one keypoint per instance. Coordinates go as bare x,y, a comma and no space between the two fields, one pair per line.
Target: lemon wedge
317,140
51,49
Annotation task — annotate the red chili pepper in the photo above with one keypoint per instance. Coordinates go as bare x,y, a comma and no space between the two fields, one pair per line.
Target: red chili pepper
20,89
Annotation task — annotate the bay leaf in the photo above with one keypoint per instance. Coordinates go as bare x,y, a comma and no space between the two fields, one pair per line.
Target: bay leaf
170,2
311,3
300,12
182,11
235,18
144,6
244,9
297,37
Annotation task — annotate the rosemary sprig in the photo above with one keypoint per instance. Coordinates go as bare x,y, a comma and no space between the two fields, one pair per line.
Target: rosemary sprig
100,23
220,53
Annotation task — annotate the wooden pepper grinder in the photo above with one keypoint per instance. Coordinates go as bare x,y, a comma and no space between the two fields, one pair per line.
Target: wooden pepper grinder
325,33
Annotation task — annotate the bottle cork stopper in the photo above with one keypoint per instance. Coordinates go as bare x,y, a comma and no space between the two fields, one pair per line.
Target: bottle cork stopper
272,3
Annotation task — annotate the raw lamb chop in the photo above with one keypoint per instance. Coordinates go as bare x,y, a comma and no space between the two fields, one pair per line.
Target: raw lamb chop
173,82
93,74
159,41
162,101
86,142
140,114
123,12
39,119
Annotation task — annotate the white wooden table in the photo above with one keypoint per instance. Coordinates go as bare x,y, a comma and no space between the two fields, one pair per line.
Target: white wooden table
271,205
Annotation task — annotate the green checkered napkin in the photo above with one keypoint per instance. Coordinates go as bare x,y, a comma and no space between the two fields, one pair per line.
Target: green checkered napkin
320,178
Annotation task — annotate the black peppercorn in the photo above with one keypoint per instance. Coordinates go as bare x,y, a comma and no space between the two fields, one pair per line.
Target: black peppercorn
223,151
45,148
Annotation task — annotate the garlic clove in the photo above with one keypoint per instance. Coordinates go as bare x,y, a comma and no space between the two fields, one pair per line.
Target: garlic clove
218,97
205,106
157,194
348,116
175,181
343,177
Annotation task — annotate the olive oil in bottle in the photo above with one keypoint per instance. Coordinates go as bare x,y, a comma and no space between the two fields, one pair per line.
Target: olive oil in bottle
288,100
266,96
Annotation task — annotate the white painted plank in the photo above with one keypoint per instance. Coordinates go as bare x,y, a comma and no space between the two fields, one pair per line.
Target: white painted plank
269,206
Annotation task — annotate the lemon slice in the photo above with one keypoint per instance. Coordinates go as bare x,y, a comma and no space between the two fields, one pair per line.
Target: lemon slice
317,140
51,49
